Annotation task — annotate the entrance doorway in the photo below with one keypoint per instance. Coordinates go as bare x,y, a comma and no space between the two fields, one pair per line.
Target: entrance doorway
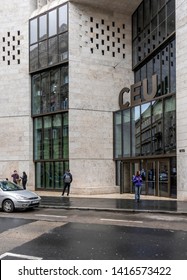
155,173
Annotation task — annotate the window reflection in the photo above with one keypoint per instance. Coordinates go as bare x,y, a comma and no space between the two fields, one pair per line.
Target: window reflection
169,124
118,134
157,127
54,90
50,91
62,23
153,22
43,27
126,133
136,131
43,54
34,57
51,137
53,51
50,46
52,23
33,31
146,129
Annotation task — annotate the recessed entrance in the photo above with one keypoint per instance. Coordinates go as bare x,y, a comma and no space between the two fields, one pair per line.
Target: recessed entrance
159,176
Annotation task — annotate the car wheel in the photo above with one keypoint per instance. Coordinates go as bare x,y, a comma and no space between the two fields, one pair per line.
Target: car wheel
8,206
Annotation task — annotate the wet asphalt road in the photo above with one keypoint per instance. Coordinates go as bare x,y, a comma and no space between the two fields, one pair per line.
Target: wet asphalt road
72,237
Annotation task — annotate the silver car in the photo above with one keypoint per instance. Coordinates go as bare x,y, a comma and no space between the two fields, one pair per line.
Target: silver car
14,197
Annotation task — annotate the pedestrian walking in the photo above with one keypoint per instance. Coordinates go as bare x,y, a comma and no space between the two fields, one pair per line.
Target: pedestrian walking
137,180
24,180
15,177
67,179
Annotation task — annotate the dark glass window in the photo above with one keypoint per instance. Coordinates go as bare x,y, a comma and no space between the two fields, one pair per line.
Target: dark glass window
140,18
50,47
118,134
165,70
63,46
146,129
55,90
51,137
170,124
136,130
157,127
43,54
53,51
126,133
34,57
153,22
172,67
50,91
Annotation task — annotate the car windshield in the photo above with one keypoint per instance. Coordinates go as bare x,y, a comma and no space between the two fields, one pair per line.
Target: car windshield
9,186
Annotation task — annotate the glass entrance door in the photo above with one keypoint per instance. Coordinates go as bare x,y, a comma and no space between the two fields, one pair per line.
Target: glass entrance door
163,178
151,178
155,174
158,177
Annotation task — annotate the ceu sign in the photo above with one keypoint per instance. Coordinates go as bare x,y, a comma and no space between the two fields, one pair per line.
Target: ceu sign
136,97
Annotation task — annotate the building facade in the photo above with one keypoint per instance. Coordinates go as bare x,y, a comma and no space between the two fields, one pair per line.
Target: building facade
97,87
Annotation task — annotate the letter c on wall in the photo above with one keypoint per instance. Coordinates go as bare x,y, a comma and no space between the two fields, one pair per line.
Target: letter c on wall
121,105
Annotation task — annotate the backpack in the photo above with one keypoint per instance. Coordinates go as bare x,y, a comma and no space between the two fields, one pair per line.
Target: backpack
67,178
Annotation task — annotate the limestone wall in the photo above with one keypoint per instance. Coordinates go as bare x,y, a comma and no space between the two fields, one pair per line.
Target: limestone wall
181,56
15,114
100,66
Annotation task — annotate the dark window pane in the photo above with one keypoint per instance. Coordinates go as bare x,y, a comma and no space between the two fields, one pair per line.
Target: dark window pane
53,51
65,136
162,32
57,136
54,90
64,88
43,54
170,124
34,57
47,144
147,13
156,70
45,92
118,134
36,94
157,127
136,131
63,46
162,15
172,67
165,70
126,133
146,129
140,18
171,24
134,25
154,7
38,138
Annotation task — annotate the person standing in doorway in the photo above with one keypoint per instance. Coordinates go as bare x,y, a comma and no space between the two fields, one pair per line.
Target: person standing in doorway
137,180
67,179
24,180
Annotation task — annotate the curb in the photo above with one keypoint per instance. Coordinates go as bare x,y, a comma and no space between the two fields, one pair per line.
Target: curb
114,210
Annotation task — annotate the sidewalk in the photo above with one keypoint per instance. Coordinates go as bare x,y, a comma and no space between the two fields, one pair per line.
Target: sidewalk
113,202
